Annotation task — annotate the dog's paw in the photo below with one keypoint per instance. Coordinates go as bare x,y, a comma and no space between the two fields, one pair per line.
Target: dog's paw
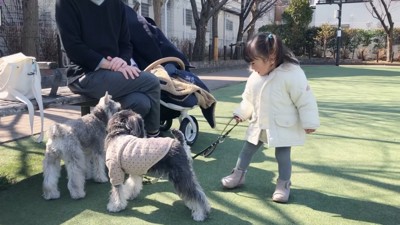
88,176
111,207
133,195
199,216
78,194
101,179
200,211
48,195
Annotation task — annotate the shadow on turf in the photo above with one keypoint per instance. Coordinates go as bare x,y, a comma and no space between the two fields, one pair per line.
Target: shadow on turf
353,209
26,206
22,204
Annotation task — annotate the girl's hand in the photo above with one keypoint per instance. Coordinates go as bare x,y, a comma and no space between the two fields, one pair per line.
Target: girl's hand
309,131
238,120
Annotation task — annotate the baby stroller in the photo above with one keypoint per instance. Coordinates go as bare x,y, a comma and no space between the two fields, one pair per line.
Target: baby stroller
182,91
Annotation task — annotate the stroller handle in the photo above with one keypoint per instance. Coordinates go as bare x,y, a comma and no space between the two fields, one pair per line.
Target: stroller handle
164,60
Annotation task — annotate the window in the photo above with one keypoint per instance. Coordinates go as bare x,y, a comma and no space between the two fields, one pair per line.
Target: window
189,17
145,10
229,25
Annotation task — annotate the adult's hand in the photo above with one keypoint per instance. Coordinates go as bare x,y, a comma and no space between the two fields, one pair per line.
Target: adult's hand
116,63
129,72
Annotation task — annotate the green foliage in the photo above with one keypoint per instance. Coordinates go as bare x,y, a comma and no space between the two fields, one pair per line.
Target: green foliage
325,37
297,16
281,30
351,39
365,41
298,13
325,33
309,40
354,42
396,36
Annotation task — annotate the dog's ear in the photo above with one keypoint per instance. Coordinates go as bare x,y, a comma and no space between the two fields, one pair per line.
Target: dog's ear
135,125
141,125
107,98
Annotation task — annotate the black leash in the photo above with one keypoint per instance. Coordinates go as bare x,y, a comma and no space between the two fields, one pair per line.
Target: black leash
210,149
206,152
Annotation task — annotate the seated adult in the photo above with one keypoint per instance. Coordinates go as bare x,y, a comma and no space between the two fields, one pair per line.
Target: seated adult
149,42
95,36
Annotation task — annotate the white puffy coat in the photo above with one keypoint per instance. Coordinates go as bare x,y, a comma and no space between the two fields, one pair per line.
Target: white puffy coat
282,104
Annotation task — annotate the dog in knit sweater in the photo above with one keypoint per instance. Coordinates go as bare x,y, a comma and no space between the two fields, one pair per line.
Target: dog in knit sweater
128,151
80,143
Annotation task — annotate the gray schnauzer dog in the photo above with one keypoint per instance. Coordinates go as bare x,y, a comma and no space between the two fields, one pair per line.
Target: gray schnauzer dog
80,144
129,151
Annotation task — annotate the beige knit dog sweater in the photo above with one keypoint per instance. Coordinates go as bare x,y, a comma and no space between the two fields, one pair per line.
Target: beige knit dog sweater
133,155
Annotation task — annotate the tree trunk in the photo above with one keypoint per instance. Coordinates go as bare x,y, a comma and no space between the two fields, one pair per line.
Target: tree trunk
362,55
30,29
199,43
389,50
157,5
208,9
239,39
253,11
251,31
215,36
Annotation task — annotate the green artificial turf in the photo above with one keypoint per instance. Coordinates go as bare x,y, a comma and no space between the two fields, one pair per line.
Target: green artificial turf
347,173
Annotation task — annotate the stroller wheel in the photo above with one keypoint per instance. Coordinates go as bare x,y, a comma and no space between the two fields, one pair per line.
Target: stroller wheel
165,124
190,128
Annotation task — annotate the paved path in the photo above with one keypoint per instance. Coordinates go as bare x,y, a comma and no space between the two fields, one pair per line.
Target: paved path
15,127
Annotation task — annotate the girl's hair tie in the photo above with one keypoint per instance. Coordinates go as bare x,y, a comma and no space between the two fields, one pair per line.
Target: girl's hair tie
270,39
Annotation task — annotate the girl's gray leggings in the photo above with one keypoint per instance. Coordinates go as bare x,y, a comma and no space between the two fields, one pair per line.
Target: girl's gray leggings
282,155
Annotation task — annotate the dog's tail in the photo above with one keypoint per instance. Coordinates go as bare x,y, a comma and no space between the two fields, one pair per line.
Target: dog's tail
179,135
181,138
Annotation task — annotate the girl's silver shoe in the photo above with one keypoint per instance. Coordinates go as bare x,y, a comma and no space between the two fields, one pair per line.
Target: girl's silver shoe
282,191
235,179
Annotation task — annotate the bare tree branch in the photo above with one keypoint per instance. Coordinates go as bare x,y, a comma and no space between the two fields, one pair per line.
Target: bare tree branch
208,9
385,18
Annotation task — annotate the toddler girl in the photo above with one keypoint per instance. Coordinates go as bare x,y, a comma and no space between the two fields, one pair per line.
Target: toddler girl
280,107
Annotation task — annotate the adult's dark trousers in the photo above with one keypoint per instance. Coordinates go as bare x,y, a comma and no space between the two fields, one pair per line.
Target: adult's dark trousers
141,94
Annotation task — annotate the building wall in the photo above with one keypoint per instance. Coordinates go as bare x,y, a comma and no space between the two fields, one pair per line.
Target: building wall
228,24
179,29
178,17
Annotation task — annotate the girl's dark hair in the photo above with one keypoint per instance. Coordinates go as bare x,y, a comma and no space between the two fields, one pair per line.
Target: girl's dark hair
268,46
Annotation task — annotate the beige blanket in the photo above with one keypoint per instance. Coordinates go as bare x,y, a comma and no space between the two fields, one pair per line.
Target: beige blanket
180,87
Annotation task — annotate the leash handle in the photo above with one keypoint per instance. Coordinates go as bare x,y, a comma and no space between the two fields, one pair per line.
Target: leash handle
226,134
206,152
